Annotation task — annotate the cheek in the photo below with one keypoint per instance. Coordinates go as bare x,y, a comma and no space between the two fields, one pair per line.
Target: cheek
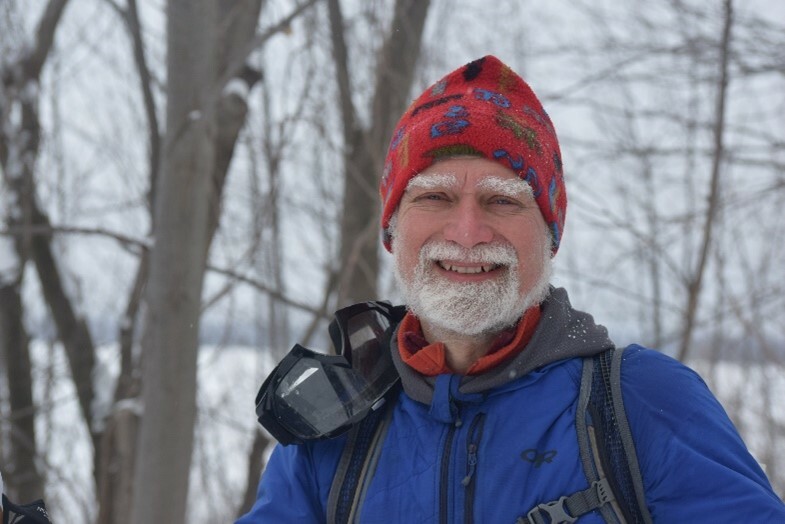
531,270
531,255
410,236
404,256
532,258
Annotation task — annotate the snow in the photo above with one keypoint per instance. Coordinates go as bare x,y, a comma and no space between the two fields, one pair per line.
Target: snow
11,203
16,156
9,261
104,381
237,87
30,91
134,405
226,424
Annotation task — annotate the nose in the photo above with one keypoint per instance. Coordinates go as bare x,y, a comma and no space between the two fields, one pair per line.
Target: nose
468,226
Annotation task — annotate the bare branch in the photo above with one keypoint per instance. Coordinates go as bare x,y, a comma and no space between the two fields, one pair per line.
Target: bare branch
235,66
694,287
145,245
44,38
48,230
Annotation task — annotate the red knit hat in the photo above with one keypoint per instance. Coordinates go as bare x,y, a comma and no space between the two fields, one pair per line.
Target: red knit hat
482,109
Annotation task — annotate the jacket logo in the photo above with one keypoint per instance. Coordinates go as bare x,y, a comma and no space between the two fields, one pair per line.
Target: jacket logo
537,457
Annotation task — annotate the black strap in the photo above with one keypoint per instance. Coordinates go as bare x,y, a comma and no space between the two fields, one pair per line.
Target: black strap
361,452
357,464
32,513
632,472
614,452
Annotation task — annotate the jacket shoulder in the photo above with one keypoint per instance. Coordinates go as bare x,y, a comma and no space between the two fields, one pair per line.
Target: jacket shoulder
296,483
694,464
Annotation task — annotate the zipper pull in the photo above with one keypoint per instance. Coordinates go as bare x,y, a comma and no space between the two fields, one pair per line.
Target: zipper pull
472,458
474,437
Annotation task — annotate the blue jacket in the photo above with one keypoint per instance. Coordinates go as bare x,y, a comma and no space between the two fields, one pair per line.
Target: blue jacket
490,448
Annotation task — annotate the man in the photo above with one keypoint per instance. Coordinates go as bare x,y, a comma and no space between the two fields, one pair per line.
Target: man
490,357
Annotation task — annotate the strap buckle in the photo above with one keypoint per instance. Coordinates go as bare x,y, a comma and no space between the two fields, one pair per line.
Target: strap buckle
555,510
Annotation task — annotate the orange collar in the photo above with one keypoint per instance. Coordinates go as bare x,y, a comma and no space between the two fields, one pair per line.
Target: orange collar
430,359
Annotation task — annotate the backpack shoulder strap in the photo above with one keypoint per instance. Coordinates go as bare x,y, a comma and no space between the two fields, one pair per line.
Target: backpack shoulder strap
360,455
629,470
357,464
607,452
613,450
607,448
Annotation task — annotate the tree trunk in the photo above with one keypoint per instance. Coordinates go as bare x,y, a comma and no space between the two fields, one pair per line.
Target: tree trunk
364,149
23,477
255,468
19,143
115,463
117,459
177,263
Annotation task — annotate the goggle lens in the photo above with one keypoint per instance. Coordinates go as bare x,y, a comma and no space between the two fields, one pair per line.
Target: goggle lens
314,395
308,401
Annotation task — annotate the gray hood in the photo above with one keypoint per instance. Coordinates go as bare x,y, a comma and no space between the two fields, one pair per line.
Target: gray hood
562,333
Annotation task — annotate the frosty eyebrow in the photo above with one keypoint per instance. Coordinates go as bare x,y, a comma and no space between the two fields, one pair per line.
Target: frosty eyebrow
433,181
512,187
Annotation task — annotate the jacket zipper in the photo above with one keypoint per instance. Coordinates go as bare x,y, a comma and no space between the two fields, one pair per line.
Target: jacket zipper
444,481
470,480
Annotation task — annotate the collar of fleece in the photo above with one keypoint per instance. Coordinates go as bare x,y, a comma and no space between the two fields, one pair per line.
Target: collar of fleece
431,359
561,333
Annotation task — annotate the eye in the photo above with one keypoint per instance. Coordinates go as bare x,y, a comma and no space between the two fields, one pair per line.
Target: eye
504,201
433,197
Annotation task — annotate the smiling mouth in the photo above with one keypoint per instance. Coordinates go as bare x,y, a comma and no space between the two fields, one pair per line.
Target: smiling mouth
468,270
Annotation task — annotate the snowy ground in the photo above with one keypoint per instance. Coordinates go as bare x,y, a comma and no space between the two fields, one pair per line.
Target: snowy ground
229,378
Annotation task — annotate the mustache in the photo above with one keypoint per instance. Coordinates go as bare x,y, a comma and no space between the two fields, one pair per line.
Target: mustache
498,253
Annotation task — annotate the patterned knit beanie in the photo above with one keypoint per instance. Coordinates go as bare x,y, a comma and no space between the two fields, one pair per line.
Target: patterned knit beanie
482,109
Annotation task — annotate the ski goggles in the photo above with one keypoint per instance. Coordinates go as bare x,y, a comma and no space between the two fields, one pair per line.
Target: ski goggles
313,396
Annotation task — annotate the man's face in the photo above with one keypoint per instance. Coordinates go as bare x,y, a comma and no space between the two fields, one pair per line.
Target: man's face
471,249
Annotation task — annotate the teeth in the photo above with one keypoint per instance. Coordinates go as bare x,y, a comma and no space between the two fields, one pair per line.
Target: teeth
468,270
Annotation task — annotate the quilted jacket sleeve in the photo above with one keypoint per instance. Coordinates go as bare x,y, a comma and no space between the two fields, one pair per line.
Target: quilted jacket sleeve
295,484
695,466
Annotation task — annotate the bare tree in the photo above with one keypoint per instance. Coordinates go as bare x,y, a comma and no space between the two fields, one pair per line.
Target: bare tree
696,278
177,263
19,144
192,144
116,457
364,148
26,481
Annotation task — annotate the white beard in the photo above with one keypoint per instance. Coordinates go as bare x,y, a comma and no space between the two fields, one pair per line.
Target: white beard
470,308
